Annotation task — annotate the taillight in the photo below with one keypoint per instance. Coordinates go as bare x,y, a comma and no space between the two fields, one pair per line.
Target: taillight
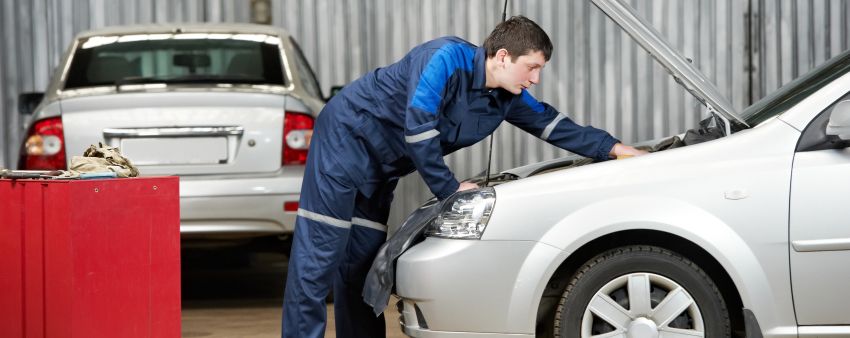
44,146
290,206
297,132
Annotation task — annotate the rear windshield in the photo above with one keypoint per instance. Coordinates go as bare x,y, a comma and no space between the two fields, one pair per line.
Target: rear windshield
177,59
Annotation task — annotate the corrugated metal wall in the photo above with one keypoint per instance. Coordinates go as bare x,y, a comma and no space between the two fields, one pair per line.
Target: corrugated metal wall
597,75
795,36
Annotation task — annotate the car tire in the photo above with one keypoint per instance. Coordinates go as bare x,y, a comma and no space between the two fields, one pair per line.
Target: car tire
637,291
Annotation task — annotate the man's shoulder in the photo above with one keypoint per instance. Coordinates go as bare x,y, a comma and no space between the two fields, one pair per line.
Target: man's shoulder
447,42
447,47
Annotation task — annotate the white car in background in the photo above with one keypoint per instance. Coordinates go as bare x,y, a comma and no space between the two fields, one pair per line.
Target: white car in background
746,235
229,108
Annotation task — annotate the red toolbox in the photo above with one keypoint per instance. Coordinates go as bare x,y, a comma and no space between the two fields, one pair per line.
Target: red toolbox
90,258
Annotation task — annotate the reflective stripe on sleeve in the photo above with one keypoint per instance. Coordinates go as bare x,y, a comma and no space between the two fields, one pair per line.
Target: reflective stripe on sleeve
422,136
324,219
551,126
369,224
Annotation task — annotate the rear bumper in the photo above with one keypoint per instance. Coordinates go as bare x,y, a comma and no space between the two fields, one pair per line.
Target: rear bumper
238,206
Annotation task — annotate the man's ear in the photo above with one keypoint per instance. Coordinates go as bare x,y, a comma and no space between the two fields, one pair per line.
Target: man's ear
502,56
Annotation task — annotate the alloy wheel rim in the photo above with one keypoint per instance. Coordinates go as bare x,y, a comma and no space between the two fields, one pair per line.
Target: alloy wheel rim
642,305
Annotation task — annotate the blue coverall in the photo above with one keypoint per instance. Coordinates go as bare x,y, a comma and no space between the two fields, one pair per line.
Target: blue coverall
390,122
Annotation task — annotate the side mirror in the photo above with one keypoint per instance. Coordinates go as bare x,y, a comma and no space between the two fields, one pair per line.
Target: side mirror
334,91
839,121
28,101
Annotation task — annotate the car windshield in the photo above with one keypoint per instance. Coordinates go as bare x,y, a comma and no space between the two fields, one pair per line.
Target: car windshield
176,59
795,91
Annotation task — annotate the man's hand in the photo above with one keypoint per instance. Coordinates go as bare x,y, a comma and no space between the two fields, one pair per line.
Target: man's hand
466,186
622,150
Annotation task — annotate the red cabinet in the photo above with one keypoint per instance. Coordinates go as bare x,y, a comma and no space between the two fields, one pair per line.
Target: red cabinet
90,258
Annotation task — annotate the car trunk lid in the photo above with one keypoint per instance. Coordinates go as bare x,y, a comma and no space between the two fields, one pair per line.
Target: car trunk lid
181,133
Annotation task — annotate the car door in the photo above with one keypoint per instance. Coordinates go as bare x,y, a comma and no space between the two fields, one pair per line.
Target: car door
819,223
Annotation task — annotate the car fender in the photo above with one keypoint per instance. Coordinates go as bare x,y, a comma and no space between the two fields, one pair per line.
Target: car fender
663,214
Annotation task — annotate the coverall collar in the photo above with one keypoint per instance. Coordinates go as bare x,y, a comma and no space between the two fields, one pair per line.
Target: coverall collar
479,73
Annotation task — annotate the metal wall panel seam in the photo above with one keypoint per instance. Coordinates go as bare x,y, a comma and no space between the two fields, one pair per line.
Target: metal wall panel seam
594,115
643,99
845,28
161,11
21,73
340,55
756,22
607,58
3,102
798,33
324,18
739,71
787,62
820,31
95,20
834,28
582,105
5,99
721,74
212,11
50,36
66,30
26,21
670,27
561,50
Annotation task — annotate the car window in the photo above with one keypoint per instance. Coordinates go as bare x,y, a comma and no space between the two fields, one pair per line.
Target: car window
814,135
175,59
303,67
795,91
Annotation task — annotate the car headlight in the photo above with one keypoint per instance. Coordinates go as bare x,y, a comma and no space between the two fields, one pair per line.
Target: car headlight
464,215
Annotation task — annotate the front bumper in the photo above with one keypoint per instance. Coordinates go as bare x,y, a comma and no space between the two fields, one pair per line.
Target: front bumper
238,206
468,288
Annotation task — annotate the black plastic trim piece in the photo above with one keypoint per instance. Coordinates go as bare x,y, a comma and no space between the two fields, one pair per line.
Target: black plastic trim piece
420,318
751,324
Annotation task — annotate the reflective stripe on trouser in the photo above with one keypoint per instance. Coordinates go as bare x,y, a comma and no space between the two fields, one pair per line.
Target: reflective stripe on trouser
329,249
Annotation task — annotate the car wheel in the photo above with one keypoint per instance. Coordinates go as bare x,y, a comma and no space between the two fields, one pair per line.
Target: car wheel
641,291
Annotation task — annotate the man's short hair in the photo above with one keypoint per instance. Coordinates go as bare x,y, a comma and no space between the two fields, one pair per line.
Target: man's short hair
519,36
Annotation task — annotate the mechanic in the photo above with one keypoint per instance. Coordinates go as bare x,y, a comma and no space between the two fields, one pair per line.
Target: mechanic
443,95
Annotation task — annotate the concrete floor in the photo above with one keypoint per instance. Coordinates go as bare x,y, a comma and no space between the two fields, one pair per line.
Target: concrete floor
243,300
251,319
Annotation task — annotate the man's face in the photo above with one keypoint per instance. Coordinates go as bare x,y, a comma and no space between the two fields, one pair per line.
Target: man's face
521,73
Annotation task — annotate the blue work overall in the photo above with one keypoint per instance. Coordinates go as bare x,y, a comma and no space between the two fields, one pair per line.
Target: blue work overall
390,122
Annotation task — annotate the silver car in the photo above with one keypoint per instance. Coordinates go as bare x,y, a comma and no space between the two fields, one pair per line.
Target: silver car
228,108
737,228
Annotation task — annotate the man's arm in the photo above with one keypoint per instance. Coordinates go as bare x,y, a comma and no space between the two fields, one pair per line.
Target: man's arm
543,121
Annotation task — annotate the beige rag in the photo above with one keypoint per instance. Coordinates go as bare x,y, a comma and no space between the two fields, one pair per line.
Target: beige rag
101,158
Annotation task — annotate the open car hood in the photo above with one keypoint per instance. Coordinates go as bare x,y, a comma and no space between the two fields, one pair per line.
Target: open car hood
682,71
